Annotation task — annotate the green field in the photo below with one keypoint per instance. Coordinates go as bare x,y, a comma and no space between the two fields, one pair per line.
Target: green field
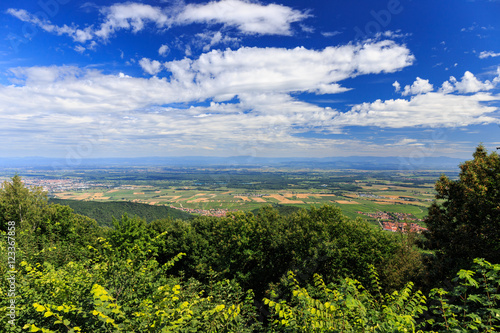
248,190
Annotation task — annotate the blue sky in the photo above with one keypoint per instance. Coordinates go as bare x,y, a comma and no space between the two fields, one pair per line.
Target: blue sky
243,77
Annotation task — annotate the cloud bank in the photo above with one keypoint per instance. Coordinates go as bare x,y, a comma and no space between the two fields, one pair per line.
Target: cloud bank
228,101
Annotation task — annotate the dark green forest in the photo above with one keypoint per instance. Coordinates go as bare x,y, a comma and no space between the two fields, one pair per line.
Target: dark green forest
309,270
104,212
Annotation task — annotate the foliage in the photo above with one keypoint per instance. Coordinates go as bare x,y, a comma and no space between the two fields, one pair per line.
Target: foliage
106,294
473,305
466,224
346,307
259,249
40,226
406,264
20,204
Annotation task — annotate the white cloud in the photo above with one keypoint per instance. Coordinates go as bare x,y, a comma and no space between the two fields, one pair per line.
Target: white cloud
207,40
385,56
391,34
130,16
78,35
131,112
487,54
424,110
217,74
405,142
469,105
396,86
248,17
163,50
329,34
79,49
447,87
152,67
420,86
496,80
468,84
229,73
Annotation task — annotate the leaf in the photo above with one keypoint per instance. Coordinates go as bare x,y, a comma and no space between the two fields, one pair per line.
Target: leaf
467,275
38,307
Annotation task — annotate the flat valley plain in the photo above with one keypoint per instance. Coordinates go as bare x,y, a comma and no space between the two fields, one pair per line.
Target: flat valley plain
359,193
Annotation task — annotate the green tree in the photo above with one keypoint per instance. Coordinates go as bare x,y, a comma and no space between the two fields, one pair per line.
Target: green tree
44,231
465,221
21,204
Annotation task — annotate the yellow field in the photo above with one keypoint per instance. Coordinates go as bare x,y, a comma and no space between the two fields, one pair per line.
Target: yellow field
283,200
345,202
242,198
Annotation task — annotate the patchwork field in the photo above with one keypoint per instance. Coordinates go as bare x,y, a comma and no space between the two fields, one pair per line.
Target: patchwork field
354,196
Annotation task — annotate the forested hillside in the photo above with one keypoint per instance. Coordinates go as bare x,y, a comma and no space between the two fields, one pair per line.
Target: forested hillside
309,271
103,212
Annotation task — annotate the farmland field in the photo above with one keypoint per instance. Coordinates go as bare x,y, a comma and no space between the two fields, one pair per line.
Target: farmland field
356,192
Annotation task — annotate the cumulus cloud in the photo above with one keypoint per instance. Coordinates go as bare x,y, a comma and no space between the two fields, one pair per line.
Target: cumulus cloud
424,110
134,109
152,67
229,73
468,84
163,50
194,106
420,86
457,103
248,17
130,16
221,75
397,86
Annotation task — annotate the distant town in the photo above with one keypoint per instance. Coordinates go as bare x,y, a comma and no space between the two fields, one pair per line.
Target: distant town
391,221
57,185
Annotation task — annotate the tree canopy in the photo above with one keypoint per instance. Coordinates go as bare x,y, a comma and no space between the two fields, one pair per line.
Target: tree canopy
464,221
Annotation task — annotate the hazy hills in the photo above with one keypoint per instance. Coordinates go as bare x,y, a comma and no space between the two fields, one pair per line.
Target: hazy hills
351,162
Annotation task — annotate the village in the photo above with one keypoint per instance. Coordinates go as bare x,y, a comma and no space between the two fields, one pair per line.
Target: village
204,212
393,221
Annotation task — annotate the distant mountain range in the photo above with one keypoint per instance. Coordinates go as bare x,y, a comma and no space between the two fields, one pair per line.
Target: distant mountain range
350,162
